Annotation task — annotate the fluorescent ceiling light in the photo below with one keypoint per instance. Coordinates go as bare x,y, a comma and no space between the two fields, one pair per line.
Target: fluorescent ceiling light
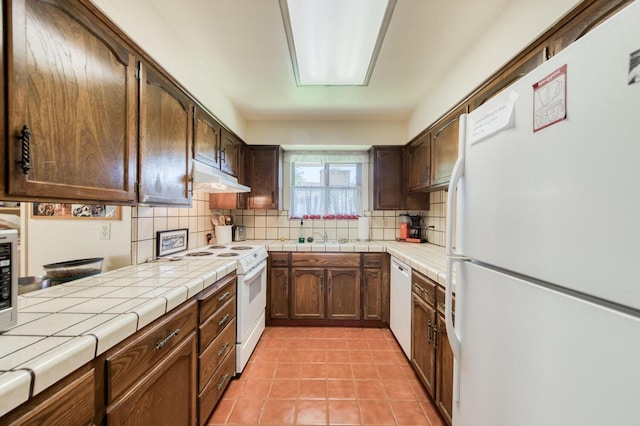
335,42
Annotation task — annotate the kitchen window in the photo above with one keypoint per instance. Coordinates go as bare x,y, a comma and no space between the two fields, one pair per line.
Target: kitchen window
327,185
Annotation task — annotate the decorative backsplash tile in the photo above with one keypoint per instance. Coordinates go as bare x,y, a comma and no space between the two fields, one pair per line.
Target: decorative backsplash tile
147,221
273,224
384,224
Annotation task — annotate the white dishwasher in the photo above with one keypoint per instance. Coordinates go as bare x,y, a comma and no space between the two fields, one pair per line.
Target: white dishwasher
400,304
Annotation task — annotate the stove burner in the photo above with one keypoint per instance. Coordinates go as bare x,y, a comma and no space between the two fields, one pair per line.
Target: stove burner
217,247
241,248
227,254
199,253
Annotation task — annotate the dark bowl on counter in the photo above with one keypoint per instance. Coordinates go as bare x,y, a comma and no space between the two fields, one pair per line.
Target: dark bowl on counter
61,272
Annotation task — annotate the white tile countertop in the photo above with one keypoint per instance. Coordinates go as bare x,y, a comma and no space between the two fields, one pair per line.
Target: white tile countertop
428,259
62,328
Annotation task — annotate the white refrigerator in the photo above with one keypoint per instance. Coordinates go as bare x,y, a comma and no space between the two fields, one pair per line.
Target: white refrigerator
546,247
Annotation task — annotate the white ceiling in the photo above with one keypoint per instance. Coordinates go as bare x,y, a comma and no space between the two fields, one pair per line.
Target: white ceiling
243,46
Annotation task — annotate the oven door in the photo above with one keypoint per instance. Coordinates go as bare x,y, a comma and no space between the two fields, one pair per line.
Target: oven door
252,301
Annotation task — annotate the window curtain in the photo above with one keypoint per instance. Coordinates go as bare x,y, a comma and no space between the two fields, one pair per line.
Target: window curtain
310,200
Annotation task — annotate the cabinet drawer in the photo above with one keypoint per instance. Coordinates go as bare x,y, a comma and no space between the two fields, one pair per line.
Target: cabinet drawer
440,295
372,260
216,322
133,358
213,355
214,389
279,259
334,260
424,288
212,300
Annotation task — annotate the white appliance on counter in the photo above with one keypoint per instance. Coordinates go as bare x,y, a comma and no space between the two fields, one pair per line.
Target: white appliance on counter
400,304
8,279
547,320
251,296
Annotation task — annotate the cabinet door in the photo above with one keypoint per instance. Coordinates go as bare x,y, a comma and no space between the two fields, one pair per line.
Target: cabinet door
387,178
444,148
166,128
166,395
206,139
372,290
343,294
423,354
444,371
229,155
307,293
262,176
72,82
279,293
419,160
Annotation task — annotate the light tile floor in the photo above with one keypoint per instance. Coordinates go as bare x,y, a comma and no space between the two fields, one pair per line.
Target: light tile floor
326,376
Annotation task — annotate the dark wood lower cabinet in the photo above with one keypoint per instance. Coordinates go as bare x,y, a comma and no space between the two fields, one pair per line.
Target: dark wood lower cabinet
431,355
343,294
349,289
444,372
279,293
372,283
166,395
423,353
307,293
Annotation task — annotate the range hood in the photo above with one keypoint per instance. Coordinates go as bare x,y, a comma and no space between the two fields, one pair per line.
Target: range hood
209,179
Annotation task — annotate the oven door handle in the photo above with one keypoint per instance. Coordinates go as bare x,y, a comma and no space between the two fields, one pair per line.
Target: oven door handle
256,271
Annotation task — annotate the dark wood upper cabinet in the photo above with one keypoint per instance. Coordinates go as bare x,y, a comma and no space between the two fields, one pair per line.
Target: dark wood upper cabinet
229,153
166,131
71,105
582,22
263,176
419,162
206,138
387,178
444,147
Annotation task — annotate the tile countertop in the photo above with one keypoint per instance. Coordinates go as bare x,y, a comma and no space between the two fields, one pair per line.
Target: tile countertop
428,259
62,328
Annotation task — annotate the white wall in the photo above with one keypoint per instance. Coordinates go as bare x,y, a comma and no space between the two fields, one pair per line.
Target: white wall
501,42
326,132
57,240
140,21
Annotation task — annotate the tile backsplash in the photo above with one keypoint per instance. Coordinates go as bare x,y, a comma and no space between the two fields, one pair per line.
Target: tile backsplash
384,224
147,221
272,224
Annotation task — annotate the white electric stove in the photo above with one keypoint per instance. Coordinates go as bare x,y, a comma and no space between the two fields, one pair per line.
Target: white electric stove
251,295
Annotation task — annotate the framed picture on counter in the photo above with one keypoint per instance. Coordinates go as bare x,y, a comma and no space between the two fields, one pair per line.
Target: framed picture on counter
168,242
75,211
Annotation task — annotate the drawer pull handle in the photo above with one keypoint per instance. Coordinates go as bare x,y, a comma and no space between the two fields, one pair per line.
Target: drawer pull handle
222,348
224,319
429,327
224,379
224,296
166,340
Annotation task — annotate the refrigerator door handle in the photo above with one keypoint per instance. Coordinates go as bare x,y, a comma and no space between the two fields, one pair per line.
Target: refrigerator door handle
452,336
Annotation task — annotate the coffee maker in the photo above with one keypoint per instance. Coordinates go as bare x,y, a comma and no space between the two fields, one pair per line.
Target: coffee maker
411,228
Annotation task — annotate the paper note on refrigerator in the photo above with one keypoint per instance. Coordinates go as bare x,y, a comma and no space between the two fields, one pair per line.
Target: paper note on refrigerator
491,118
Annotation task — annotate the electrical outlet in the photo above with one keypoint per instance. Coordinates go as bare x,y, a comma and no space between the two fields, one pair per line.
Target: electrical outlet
385,223
105,231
